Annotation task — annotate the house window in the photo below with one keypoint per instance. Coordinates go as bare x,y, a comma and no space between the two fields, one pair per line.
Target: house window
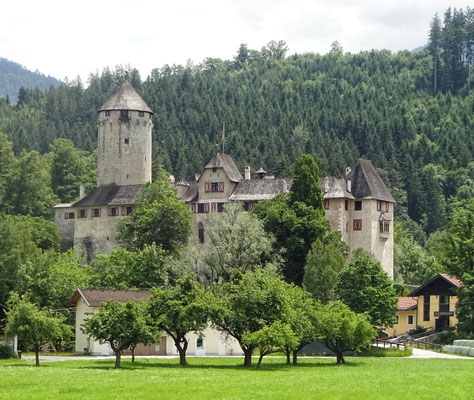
124,115
358,205
82,213
107,113
396,323
141,113
220,207
129,210
426,307
357,225
346,205
326,204
113,212
443,303
201,232
410,319
71,215
96,212
199,343
214,187
126,141
200,208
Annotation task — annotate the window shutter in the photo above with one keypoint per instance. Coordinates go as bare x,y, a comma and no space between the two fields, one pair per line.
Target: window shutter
206,187
221,186
206,207
213,207
193,207
387,206
379,205
109,212
124,210
357,225
66,215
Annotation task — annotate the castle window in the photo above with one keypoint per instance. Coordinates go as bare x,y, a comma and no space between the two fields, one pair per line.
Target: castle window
387,206
129,210
214,186
124,115
358,205
220,207
96,212
112,212
213,207
357,225
346,205
246,206
141,113
107,113
326,204
82,213
200,208
127,140
384,226
379,205
214,169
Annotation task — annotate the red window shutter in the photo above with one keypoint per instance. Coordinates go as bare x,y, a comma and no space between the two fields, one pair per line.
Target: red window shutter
193,207
379,205
221,186
109,212
213,207
326,204
387,206
357,225
206,187
123,211
251,206
206,207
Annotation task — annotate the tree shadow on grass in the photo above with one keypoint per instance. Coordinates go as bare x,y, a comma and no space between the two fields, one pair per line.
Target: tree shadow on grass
273,366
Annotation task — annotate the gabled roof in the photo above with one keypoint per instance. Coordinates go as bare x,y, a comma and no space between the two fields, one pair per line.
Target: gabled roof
226,162
191,193
125,98
407,303
259,189
95,297
111,195
366,182
334,188
444,279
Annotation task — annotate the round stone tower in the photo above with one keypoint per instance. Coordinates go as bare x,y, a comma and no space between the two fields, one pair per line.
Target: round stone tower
124,139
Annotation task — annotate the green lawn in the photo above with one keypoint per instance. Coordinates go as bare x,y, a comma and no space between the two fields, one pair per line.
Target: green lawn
225,378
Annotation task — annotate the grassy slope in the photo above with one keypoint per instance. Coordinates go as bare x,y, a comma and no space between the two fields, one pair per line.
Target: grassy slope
212,378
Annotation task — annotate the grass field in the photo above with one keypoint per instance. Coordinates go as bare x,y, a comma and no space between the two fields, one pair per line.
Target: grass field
225,378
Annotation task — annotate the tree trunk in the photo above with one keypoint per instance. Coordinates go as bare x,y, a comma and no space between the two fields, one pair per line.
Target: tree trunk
37,358
248,357
182,356
259,360
118,355
133,353
288,352
295,357
340,358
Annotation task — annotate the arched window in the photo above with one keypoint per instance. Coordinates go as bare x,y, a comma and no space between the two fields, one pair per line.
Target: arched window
201,232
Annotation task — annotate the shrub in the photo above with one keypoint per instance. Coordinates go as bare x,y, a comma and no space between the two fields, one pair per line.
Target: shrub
448,336
6,352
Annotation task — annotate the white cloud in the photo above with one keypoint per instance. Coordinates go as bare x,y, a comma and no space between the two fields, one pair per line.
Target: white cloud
69,39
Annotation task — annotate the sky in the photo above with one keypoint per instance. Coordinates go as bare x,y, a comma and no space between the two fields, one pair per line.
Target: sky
75,38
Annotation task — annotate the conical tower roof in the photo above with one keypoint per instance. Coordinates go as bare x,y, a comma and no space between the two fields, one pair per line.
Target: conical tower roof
125,98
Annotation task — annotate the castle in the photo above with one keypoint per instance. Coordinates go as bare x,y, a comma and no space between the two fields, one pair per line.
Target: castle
358,205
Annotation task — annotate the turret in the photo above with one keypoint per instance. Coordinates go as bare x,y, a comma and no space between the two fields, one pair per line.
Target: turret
124,139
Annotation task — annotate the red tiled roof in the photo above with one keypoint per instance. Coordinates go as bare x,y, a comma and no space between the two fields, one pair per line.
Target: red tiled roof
407,303
452,279
95,297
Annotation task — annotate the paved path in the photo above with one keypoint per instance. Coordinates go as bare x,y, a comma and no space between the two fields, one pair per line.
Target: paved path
420,353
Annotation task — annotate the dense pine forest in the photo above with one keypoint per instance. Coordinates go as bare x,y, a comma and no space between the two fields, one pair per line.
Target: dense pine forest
411,114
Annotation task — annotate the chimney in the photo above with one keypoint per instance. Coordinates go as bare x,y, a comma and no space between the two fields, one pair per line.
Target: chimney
285,187
82,191
348,185
247,173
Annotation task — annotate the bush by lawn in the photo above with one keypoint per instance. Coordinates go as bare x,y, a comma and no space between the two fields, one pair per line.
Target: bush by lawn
225,378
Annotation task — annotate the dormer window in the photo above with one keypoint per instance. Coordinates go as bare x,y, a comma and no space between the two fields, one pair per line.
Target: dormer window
124,115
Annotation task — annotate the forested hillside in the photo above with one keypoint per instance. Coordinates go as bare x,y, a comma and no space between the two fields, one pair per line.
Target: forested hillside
410,113
13,76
